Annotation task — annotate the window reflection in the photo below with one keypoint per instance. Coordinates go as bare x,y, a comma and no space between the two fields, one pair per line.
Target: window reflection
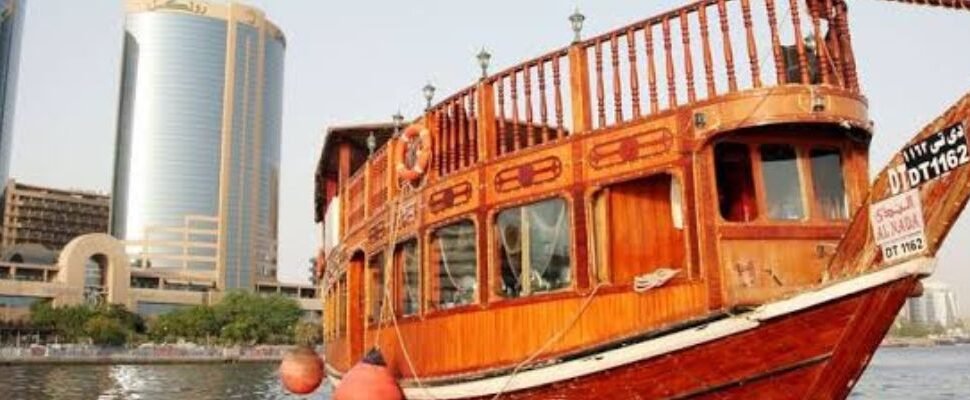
735,183
829,183
533,248
375,288
454,251
409,264
783,193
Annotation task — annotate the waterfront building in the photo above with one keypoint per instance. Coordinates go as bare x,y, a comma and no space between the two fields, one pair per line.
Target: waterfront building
937,305
11,25
96,268
48,217
198,141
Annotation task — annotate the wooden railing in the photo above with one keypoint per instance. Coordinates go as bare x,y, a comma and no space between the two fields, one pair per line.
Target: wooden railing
692,54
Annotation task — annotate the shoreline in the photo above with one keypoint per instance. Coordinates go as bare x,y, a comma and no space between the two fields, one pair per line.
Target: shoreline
146,354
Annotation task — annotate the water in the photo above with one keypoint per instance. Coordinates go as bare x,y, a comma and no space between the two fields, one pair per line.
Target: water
894,374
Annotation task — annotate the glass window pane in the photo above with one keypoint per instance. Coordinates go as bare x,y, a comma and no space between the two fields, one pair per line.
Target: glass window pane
735,182
454,251
375,288
410,271
783,186
534,244
828,183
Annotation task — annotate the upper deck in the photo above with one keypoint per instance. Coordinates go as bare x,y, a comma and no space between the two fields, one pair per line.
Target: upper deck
713,65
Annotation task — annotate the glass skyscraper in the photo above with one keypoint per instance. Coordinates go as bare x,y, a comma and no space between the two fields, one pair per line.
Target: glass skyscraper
198,143
11,24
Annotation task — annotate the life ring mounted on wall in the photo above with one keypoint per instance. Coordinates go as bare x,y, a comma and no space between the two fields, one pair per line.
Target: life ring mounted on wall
413,153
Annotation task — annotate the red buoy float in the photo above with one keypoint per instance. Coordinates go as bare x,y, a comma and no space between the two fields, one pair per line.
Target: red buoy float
301,370
422,154
370,379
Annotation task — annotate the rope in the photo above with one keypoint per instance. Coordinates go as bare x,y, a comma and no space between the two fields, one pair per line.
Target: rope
553,339
950,4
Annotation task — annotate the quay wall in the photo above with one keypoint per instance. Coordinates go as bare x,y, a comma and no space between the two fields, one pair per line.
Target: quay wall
145,354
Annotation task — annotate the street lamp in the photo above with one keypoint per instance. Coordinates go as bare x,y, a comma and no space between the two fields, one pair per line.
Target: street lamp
428,91
371,143
483,58
398,121
576,19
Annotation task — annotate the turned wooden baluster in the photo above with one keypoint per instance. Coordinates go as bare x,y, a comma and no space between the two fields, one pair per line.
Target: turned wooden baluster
631,49
814,9
781,76
851,77
752,45
462,150
503,145
530,138
688,56
708,58
445,142
617,88
651,68
799,41
836,50
728,51
543,113
472,118
439,142
515,111
600,95
557,82
671,77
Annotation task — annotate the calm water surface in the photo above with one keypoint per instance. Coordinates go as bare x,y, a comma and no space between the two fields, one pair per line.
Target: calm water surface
895,374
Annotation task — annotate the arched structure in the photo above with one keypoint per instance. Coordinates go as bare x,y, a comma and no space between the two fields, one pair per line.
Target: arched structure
110,255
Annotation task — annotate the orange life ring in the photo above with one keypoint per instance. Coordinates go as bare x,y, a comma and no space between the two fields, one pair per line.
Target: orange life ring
416,171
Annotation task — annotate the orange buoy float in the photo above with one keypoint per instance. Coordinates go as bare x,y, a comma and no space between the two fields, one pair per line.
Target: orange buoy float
369,380
301,370
414,172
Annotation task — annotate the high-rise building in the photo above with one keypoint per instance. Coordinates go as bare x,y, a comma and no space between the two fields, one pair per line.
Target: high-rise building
49,217
11,24
198,144
937,306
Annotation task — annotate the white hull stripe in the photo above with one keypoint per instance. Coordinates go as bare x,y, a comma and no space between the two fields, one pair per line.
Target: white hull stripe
669,343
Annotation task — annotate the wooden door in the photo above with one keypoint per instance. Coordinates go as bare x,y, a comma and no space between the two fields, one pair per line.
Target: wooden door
356,312
644,235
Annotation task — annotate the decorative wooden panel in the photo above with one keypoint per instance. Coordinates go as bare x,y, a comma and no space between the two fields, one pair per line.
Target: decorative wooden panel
455,196
531,173
527,174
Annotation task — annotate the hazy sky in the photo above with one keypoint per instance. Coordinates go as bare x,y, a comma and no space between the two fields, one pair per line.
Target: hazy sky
360,61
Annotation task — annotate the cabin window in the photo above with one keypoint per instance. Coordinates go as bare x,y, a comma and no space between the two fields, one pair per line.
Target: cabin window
375,288
643,230
735,182
783,184
454,254
409,267
533,249
829,184
342,306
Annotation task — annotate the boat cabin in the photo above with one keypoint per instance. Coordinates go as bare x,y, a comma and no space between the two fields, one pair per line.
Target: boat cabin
653,176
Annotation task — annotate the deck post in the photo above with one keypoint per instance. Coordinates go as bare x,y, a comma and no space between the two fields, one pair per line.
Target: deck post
486,121
343,175
579,88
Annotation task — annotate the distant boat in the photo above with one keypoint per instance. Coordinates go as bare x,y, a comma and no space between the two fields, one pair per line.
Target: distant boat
623,218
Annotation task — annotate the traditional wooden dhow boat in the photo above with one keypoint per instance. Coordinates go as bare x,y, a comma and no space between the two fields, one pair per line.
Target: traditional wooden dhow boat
660,211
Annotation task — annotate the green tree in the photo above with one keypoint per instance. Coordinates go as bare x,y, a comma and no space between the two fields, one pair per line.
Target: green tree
307,333
104,330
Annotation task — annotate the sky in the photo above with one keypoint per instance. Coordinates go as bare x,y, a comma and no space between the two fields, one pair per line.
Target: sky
361,61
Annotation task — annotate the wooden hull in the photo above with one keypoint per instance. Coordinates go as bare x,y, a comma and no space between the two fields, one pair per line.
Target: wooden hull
813,346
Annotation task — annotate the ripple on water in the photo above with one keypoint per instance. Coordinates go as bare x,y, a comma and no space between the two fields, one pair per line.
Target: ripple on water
894,374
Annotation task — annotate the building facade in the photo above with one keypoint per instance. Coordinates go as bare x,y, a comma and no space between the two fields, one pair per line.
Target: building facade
198,143
36,215
11,25
96,268
937,306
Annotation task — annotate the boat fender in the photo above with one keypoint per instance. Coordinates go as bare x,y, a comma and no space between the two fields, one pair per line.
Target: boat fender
423,154
370,379
301,370
917,290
